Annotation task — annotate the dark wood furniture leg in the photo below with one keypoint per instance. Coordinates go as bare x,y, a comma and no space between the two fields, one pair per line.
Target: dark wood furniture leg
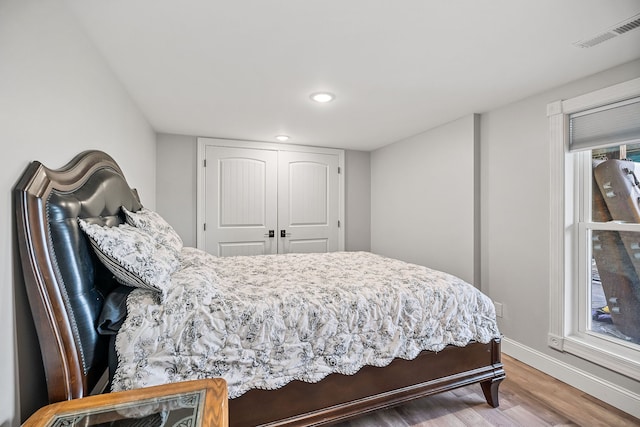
490,390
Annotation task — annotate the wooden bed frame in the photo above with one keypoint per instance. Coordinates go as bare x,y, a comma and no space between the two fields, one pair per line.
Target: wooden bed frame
66,286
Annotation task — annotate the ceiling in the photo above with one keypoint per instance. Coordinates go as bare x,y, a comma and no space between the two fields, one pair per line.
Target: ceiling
244,69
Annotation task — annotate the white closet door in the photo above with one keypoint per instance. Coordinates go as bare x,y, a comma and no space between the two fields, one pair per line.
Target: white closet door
307,202
241,201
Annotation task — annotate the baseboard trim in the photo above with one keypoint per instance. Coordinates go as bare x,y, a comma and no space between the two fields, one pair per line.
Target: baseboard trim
614,395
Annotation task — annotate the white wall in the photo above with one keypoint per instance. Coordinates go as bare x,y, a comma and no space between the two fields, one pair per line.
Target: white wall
57,98
423,199
177,181
515,217
358,200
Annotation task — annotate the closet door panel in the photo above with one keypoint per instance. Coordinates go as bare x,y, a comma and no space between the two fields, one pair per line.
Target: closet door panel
307,202
241,201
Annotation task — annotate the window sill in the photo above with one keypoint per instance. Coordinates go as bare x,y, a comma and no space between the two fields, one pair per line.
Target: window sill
619,358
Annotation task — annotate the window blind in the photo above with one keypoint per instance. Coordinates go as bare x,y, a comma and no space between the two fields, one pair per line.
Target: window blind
613,124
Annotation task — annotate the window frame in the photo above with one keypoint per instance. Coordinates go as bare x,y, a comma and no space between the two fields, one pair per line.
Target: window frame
568,238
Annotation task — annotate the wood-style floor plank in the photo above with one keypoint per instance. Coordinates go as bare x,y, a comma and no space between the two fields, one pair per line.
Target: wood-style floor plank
528,397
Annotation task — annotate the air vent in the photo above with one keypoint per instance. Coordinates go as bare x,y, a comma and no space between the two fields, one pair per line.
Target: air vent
616,30
596,40
628,26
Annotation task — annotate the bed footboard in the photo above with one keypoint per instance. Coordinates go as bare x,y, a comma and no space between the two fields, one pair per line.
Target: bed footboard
339,397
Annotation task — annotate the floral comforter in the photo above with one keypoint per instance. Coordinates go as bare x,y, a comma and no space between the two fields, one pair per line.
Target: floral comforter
261,322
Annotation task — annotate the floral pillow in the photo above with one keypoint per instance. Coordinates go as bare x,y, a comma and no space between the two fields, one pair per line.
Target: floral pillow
156,226
132,255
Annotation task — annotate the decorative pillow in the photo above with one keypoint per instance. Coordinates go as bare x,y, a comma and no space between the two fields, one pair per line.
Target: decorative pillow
132,255
156,226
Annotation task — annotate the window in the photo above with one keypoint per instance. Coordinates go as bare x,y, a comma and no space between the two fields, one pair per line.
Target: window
595,227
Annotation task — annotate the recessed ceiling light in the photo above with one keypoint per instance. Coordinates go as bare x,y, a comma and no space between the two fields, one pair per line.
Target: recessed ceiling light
282,138
322,97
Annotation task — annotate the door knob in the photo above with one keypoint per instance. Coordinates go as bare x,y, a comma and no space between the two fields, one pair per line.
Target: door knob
271,233
283,233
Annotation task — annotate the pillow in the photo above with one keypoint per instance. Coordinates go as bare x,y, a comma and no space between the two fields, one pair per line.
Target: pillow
156,226
132,255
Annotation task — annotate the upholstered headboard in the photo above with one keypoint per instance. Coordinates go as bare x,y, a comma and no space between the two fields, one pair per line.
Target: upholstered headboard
65,283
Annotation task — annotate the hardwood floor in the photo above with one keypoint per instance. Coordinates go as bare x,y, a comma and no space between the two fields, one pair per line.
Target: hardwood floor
527,398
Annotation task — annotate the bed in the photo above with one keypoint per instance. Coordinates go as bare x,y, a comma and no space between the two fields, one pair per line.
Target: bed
67,286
